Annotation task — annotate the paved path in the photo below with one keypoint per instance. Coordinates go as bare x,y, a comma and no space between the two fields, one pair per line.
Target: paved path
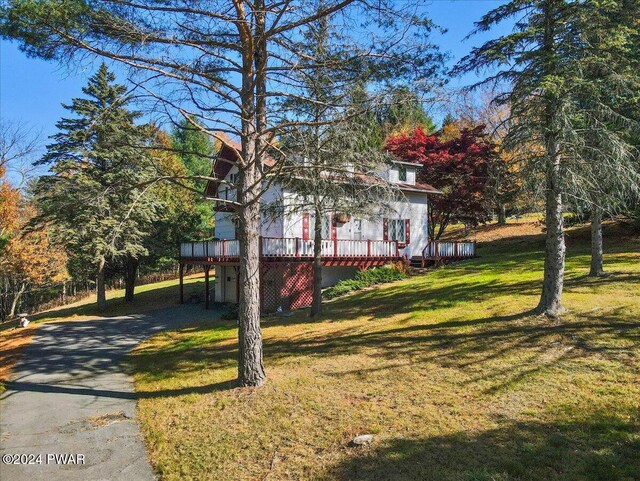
68,395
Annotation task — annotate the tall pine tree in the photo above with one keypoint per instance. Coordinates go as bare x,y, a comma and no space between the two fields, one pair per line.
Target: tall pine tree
93,197
604,168
542,62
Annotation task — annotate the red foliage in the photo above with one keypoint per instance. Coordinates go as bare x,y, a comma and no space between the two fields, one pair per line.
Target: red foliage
458,167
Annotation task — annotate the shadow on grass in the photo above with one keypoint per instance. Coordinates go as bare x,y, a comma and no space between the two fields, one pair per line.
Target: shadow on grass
79,390
448,344
601,447
452,343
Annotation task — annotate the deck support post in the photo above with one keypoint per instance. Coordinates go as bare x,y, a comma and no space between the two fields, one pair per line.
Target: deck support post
206,286
181,283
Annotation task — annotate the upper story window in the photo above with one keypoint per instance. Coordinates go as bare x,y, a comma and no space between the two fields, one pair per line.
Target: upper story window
402,173
233,178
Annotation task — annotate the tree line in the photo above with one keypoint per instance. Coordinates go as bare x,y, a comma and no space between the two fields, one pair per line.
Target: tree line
99,214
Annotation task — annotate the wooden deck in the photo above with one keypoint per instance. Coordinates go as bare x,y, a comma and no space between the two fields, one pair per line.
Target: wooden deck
292,249
278,252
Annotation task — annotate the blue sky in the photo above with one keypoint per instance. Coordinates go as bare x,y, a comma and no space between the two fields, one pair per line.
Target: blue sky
32,90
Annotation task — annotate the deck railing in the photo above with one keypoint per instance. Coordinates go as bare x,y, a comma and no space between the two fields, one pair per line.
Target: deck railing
292,247
449,250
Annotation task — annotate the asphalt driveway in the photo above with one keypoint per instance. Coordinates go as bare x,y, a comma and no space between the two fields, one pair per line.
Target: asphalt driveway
69,397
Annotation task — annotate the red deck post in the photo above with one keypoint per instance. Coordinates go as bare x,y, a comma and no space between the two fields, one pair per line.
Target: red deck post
181,283
335,247
297,247
206,286
260,247
369,248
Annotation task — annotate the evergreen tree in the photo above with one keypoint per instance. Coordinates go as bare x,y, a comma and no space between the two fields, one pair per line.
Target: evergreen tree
604,166
195,149
92,196
340,139
541,61
396,111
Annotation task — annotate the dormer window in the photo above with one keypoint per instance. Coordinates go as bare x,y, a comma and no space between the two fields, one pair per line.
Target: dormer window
402,173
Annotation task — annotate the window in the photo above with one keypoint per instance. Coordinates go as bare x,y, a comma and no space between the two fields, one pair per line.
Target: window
397,230
233,178
402,173
326,227
357,229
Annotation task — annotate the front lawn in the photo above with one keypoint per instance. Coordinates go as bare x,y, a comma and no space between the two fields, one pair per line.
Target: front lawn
449,371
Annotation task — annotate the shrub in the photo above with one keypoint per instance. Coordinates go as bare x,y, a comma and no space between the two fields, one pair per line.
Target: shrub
362,279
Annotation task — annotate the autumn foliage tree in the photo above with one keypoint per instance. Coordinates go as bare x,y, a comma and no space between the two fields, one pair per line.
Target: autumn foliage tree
27,257
458,167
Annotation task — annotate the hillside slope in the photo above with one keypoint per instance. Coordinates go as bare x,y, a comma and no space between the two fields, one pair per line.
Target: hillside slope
448,370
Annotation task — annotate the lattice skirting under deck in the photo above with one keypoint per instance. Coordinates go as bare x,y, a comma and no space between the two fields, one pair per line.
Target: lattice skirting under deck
289,286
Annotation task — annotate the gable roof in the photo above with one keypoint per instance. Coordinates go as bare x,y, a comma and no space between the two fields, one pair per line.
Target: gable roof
229,153
231,150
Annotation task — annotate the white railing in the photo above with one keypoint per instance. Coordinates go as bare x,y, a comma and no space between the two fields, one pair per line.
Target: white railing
449,250
292,247
201,249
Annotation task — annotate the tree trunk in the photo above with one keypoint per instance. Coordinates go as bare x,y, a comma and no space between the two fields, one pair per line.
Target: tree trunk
16,299
596,244
100,285
551,299
250,367
130,279
253,121
316,306
502,214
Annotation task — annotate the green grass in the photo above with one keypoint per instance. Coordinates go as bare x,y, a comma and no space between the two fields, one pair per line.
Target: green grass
449,370
147,297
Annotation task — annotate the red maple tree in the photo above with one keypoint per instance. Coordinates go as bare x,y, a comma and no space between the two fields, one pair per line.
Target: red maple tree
458,167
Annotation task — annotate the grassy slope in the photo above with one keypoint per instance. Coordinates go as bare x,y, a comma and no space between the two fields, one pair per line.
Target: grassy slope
448,370
147,298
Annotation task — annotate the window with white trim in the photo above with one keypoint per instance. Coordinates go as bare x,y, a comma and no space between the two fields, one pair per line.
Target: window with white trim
397,230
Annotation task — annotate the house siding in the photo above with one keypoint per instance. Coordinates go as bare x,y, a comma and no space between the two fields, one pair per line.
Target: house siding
269,227
413,206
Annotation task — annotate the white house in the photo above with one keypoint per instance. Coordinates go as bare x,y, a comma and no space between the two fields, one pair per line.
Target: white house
349,243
